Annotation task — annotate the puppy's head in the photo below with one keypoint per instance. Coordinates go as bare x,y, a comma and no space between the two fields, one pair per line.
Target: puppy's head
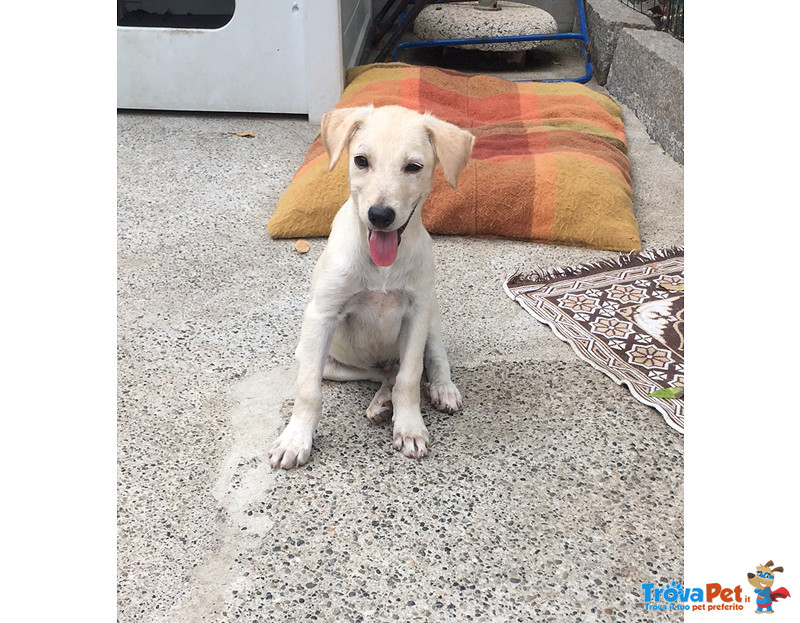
392,154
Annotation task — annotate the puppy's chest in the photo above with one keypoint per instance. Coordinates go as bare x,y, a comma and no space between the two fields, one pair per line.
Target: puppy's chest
372,306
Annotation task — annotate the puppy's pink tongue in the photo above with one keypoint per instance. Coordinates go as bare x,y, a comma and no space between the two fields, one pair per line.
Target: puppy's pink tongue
383,247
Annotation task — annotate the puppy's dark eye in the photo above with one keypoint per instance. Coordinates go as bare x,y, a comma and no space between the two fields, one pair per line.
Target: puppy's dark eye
413,167
361,162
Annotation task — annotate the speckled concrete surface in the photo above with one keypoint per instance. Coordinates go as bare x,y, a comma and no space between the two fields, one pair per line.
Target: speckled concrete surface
551,497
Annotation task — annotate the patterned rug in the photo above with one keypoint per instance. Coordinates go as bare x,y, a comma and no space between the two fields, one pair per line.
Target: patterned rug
623,316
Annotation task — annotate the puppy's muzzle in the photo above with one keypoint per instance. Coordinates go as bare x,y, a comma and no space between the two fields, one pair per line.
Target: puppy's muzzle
380,216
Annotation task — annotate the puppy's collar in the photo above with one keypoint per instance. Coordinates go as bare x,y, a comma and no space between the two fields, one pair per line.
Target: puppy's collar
408,220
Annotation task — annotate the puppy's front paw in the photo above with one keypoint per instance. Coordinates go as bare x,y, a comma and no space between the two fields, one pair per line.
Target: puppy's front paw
413,443
445,396
291,449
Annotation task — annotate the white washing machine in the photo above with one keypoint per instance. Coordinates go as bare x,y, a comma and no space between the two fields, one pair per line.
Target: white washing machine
262,56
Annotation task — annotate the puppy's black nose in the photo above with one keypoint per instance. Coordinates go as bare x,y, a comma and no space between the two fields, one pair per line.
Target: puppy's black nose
380,217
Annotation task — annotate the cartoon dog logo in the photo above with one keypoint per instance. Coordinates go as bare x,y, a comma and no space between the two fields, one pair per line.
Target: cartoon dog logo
763,579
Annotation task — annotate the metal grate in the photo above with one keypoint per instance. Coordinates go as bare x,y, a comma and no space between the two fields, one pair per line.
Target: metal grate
667,15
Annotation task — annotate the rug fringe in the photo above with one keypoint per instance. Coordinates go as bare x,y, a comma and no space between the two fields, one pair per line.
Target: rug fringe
541,275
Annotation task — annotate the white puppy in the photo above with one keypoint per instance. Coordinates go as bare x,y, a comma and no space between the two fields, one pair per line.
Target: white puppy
373,312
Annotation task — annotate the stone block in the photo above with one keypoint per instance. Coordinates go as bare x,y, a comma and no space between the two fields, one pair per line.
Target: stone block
647,76
604,19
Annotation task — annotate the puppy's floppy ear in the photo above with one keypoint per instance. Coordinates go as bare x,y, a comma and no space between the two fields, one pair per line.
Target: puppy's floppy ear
452,146
338,126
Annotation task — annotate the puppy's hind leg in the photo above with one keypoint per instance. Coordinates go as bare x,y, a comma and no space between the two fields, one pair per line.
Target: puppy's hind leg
380,408
444,394
336,371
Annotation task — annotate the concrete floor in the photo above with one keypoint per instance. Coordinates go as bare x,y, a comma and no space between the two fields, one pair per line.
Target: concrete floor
552,496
